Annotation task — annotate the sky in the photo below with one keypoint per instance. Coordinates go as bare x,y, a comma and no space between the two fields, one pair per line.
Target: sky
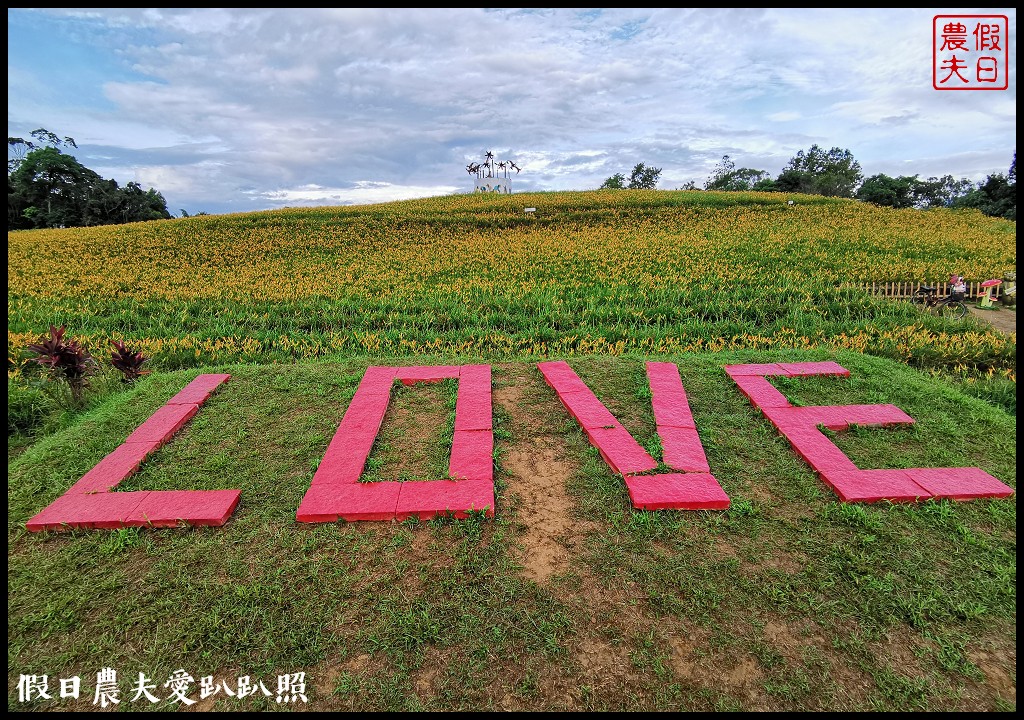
227,110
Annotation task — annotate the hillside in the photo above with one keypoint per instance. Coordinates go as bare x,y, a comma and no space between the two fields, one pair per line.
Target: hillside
613,271
566,595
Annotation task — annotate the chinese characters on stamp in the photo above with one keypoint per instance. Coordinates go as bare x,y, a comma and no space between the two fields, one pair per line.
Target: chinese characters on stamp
970,52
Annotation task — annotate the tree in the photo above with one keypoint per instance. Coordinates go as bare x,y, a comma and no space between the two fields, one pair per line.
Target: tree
818,172
727,177
18,148
888,191
615,182
940,192
48,188
142,204
995,196
52,189
644,177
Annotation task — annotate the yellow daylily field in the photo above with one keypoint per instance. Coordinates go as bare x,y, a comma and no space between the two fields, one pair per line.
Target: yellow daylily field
587,272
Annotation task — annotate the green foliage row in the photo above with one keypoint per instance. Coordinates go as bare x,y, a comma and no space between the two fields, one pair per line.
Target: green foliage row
181,334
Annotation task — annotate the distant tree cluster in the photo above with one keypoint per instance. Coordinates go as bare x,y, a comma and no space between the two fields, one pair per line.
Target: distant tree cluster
643,177
48,188
816,171
910,191
727,177
835,173
996,195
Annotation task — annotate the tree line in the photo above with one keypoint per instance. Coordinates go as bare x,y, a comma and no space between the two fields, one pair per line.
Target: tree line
48,188
836,173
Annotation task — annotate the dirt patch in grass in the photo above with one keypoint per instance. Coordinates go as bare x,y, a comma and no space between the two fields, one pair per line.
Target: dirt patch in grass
995,656
537,468
996,674
539,478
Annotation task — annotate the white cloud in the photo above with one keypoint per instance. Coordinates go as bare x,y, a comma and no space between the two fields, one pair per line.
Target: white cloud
224,108
363,194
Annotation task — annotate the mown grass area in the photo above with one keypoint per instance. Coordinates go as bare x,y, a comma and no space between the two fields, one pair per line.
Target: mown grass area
789,600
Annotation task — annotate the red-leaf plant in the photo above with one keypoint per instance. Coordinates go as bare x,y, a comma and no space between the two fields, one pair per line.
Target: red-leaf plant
128,361
65,359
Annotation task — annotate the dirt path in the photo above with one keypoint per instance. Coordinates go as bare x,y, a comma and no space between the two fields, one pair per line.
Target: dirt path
1001,318
538,470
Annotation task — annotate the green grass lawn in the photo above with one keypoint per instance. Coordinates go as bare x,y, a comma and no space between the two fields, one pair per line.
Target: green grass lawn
789,600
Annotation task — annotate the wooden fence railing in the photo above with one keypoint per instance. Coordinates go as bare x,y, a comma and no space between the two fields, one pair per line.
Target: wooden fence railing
907,289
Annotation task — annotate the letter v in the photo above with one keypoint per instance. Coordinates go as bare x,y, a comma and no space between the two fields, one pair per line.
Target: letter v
692,487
